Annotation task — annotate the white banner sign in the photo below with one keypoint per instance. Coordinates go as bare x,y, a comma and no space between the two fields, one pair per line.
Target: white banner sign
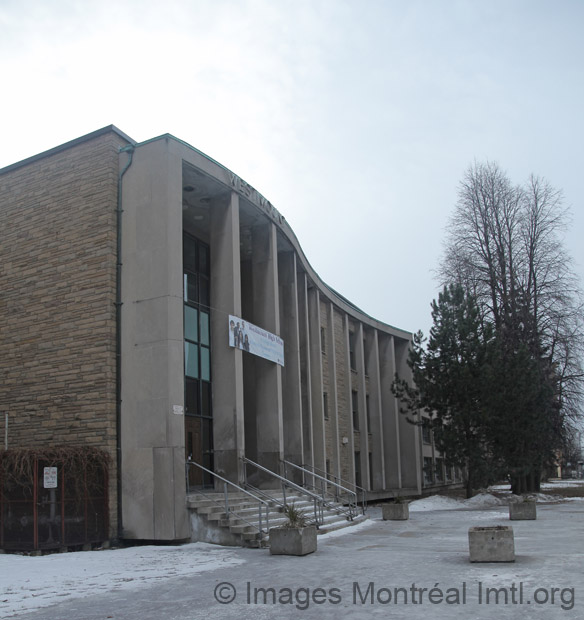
255,340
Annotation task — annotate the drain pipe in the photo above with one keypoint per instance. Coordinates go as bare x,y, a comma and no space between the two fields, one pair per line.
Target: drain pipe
130,150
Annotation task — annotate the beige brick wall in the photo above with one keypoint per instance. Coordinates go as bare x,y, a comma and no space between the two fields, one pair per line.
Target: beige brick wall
344,407
326,383
57,294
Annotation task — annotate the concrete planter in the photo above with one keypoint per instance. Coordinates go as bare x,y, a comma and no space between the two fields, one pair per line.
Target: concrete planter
395,512
292,540
491,544
523,511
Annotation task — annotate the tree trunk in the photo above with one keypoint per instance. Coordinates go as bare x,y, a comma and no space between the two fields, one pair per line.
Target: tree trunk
468,486
526,483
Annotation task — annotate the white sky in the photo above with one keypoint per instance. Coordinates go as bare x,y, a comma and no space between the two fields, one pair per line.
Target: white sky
355,118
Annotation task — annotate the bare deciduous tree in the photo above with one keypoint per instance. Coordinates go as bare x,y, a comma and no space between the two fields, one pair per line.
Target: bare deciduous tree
505,247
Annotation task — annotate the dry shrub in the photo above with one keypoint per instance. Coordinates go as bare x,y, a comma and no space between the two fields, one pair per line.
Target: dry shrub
85,466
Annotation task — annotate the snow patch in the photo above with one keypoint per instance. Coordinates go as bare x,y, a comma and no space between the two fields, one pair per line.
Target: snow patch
436,502
484,500
28,583
346,530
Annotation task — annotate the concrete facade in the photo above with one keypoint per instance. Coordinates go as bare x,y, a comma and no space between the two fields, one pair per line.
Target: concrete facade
329,407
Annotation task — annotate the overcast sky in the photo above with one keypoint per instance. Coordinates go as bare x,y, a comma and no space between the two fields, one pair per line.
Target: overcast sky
356,118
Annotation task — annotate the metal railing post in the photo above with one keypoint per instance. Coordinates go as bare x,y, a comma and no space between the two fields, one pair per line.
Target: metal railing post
326,481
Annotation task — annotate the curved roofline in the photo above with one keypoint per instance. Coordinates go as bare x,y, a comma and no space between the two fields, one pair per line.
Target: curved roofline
266,207
235,183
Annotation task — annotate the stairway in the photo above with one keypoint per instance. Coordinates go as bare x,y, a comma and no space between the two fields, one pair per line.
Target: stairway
211,523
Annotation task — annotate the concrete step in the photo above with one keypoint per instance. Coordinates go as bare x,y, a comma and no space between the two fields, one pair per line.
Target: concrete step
233,507
243,521
219,501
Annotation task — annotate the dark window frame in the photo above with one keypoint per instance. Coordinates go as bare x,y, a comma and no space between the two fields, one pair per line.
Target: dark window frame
355,409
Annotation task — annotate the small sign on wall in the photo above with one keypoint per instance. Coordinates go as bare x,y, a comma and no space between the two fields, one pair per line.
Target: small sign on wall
50,478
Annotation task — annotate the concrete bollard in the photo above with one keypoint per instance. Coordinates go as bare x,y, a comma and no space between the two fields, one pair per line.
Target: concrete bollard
491,544
395,512
523,511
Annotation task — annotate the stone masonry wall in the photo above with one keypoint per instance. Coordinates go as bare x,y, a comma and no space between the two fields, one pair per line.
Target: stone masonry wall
57,299
344,413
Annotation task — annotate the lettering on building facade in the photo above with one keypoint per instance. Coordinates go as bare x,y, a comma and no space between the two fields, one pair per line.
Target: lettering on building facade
249,192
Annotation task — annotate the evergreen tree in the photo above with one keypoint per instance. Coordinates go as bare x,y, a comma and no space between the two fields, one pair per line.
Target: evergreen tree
525,428
448,384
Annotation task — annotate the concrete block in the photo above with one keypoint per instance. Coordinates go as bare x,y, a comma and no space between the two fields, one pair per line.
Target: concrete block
491,544
523,511
292,541
395,512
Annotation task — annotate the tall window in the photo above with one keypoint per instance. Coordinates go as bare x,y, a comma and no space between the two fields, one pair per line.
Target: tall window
352,361
197,363
368,411
428,471
355,407
439,470
426,432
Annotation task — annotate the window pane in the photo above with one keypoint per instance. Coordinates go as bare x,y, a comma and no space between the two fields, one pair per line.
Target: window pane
204,291
192,396
206,399
205,364
191,324
191,360
189,253
190,288
203,259
205,328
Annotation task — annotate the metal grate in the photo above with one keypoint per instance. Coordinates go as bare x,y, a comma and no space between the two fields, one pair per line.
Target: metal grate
49,512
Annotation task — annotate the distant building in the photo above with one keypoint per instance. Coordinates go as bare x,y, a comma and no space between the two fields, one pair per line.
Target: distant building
139,356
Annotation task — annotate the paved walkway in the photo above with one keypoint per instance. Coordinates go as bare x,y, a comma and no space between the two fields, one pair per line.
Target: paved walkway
413,569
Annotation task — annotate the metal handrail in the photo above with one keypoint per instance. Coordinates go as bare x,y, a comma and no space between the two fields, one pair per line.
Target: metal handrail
229,511
352,504
358,489
318,502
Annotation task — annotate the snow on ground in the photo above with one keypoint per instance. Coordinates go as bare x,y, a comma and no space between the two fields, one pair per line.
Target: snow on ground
569,482
439,502
341,532
551,484
487,499
31,582
436,502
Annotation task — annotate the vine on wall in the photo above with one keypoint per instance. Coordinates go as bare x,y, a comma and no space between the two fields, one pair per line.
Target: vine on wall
85,466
